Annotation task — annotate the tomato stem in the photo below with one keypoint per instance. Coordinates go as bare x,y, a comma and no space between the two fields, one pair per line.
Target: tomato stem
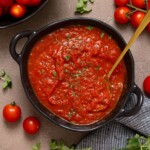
139,9
13,103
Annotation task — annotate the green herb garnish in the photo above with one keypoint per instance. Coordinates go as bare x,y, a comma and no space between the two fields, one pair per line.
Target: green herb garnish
71,113
137,143
81,7
97,68
42,71
54,73
68,37
7,83
54,145
92,1
102,34
57,145
67,57
90,27
36,147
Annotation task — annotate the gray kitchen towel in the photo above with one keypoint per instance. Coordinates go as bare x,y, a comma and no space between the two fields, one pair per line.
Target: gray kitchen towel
115,134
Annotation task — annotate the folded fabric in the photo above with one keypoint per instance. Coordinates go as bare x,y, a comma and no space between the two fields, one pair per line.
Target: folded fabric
141,121
110,137
114,135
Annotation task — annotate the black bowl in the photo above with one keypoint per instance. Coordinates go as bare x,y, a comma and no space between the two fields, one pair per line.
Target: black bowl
34,36
8,21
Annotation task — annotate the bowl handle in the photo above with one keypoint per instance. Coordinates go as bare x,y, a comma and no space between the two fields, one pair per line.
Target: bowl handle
137,106
14,41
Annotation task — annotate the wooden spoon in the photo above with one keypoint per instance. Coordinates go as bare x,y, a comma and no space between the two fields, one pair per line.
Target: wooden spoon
138,31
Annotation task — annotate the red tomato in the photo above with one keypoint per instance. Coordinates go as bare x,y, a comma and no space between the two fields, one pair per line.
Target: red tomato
23,2
138,3
5,10
17,10
12,112
34,2
1,11
146,85
6,3
31,125
136,18
121,14
121,2
148,6
148,27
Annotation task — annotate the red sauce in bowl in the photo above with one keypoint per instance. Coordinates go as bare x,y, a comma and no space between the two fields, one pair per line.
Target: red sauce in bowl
67,70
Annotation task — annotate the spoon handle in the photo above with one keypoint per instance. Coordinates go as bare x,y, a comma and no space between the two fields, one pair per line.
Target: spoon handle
138,31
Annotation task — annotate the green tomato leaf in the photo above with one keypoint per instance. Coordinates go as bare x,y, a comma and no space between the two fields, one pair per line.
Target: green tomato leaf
3,73
37,147
5,85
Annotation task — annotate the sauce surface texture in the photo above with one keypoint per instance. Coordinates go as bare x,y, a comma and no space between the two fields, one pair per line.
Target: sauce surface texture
67,70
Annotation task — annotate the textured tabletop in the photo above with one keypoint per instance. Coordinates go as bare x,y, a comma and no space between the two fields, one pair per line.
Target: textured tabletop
12,135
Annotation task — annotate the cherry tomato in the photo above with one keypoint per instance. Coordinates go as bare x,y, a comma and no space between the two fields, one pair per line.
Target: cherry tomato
148,6
23,2
121,14
146,85
31,125
148,27
136,18
34,2
1,11
12,112
17,10
6,3
138,3
121,2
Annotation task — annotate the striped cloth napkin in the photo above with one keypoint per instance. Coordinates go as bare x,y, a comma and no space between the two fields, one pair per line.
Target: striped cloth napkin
115,134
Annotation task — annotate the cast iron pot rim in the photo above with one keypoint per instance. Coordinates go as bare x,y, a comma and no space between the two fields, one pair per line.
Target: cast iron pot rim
37,32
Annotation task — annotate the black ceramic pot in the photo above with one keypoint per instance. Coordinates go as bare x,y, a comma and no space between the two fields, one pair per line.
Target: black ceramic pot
22,60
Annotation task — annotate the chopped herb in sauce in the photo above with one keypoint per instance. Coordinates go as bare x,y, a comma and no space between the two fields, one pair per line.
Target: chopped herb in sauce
71,86
42,71
71,113
66,71
90,27
102,34
54,73
97,68
67,57
68,37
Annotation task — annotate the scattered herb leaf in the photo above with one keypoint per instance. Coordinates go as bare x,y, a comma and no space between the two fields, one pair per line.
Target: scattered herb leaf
54,145
137,143
81,6
7,83
92,1
3,73
37,146
90,27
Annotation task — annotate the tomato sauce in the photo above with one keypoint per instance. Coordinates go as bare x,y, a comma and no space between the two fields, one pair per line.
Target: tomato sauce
67,70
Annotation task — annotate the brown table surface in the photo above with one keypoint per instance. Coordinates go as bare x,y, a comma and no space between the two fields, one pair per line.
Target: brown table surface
12,135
